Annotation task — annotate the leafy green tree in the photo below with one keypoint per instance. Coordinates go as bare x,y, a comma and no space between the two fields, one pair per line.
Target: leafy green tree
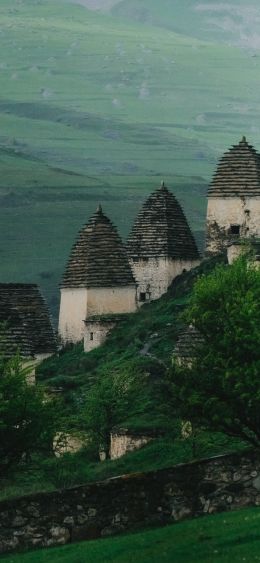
27,419
110,401
220,388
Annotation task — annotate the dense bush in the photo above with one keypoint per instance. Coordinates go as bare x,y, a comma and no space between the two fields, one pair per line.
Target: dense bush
27,420
220,390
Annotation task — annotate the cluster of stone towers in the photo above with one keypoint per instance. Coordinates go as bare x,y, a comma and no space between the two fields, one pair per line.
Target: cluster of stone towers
105,278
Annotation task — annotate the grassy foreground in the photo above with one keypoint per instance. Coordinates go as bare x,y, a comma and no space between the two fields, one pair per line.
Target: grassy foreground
222,538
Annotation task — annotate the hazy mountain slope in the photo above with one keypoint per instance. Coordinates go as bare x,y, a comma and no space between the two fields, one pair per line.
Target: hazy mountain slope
233,22
103,5
95,109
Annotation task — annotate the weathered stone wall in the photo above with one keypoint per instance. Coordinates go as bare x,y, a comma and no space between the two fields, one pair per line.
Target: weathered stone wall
155,275
233,252
124,442
227,211
128,502
96,334
236,250
64,443
31,364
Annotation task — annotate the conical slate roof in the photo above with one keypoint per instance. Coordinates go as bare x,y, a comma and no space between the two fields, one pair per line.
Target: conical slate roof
238,173
24,321
161,230
98,258
188,342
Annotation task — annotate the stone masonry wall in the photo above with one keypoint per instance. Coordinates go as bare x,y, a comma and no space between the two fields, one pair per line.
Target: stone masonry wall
224,212
155,275
96,334
129,502
124,442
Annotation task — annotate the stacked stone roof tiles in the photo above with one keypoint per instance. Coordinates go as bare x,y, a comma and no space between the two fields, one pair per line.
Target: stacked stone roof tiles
188,342
98,258
238,173
161,230
24,321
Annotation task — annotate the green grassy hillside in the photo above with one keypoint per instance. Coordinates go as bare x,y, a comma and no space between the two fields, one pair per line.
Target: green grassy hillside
94,108
222,538
143,340
142,344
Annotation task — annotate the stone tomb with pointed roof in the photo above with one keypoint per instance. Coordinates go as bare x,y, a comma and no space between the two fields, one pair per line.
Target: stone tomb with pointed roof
161,245
97,282
187,346
25,324
234,199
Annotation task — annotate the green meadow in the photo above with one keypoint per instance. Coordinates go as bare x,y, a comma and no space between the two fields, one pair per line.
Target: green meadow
96,107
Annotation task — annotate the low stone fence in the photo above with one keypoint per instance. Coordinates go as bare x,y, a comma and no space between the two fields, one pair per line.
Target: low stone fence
131,501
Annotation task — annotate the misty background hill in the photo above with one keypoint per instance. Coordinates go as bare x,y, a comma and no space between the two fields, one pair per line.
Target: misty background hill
101,100
234,22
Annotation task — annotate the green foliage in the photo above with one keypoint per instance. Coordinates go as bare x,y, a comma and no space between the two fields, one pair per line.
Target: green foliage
107,403
140,346
164,451
221,390
27,419
29,477
47,473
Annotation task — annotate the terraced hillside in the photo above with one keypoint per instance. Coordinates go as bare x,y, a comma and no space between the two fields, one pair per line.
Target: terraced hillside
94,107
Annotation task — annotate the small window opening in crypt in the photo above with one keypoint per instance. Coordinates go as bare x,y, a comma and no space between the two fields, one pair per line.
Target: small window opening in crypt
235,229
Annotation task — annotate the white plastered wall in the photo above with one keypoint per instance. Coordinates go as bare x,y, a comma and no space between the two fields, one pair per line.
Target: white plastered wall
73,312
224,212
78,304
155,275
111,300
